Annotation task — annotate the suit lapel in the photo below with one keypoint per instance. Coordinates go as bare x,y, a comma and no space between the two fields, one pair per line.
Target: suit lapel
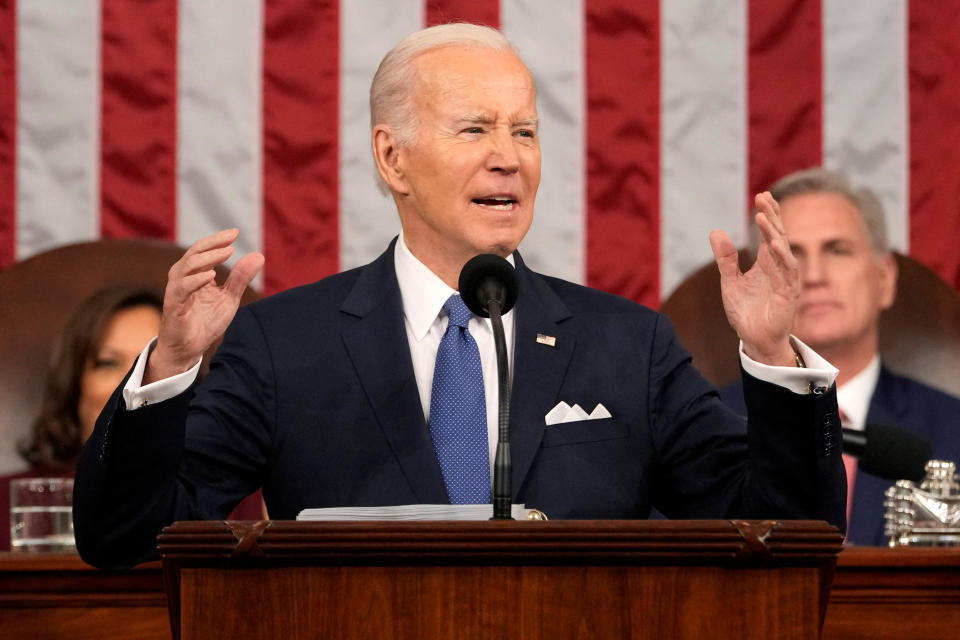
376,340
538,370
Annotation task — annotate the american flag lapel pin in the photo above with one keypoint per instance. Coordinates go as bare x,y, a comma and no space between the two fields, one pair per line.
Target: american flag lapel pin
550,341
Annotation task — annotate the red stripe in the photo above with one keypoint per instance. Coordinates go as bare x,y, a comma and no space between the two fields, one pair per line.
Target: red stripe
623,148
301,66
934,50
138,118
477,11
785,88
8,132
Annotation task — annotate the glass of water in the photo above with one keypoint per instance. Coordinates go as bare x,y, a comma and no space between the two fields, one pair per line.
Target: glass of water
41,517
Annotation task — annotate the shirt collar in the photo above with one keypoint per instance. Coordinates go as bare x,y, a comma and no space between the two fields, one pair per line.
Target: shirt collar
422,291
854,396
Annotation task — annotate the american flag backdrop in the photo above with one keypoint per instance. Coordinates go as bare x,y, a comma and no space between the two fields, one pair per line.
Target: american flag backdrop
159,118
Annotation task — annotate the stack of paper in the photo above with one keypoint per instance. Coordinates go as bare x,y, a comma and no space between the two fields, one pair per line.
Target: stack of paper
411,512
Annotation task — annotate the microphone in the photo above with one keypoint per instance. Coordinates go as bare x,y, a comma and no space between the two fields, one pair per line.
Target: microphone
888,451
485,278
488,286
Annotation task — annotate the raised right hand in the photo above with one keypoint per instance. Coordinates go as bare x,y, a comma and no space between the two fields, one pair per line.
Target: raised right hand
196,311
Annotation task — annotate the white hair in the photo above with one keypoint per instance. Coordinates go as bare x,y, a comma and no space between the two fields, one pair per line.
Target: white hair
391,92
820,180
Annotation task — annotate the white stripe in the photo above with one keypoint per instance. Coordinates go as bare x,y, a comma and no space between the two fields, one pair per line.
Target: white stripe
865,127
551,41
368,219
703,132
58,124
219,158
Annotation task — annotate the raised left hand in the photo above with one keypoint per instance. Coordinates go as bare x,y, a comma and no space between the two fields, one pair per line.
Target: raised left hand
761,304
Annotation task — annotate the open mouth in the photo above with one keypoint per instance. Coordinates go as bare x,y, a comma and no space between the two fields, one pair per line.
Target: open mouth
499,203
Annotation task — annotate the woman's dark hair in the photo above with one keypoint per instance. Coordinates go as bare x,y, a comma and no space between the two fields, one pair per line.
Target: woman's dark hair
57,436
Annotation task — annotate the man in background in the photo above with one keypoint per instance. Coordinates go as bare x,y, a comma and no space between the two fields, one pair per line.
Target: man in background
849,276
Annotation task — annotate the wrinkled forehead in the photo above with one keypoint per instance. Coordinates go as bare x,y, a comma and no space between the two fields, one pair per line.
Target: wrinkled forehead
824,216
458,69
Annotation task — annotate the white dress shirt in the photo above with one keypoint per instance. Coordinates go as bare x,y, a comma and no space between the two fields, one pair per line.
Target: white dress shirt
423,295
854,395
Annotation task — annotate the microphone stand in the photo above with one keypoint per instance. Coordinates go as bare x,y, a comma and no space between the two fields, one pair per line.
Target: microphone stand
488,285
502,482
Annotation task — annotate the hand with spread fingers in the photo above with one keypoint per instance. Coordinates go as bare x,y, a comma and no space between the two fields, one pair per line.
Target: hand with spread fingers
196,310
761,304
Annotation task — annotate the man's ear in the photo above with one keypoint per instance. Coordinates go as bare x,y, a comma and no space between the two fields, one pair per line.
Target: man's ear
888,280
386,153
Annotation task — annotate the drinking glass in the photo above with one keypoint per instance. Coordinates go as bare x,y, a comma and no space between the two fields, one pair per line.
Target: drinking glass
41,517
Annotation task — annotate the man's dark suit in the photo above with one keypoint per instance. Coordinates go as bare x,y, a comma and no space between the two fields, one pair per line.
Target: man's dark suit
312,395
905,403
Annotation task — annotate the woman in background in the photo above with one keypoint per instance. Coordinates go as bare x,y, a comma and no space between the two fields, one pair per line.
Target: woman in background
97,347
103,337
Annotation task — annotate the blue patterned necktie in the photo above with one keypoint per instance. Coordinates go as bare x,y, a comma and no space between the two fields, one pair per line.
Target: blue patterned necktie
458,411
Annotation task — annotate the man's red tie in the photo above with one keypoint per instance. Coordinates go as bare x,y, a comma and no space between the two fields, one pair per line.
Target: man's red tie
850,464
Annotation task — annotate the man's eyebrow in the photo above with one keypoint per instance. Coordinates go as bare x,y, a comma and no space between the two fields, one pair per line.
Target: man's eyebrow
477,118
827,243
831,243
481,118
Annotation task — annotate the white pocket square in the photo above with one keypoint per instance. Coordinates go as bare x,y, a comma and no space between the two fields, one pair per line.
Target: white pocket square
565,413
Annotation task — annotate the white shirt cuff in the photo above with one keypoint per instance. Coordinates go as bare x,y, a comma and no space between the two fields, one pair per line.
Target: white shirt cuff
136,394
817,373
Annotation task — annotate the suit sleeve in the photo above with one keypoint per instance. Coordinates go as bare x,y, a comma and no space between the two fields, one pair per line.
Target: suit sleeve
784,461
191,457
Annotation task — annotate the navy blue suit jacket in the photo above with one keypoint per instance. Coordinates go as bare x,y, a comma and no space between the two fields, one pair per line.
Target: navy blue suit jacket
312,396
904,403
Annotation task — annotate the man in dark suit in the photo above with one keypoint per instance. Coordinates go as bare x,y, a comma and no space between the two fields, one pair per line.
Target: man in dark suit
322,394
849,277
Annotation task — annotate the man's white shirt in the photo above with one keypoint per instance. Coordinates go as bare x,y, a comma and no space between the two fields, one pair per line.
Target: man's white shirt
854,395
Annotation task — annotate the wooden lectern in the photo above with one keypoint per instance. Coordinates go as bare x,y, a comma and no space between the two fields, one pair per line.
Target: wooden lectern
499,579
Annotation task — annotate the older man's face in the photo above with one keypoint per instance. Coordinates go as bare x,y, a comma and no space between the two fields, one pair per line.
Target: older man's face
471,175
845,284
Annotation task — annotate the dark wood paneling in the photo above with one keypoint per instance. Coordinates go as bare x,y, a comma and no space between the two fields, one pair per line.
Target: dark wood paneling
877,594
48,596
891,594
572,579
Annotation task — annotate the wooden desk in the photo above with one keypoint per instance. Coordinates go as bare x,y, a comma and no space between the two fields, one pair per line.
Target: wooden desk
496,579
47,596
880,594
877,594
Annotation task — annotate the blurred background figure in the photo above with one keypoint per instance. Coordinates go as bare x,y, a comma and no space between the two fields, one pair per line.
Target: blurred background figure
97,347
849,275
